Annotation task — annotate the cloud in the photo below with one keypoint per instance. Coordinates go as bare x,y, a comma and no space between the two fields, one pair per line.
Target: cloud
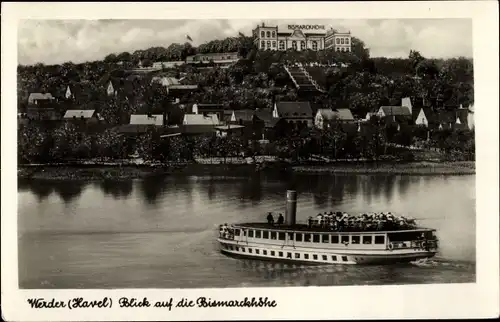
58,41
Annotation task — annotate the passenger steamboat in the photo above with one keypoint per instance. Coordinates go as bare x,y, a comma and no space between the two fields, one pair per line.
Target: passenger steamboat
334,238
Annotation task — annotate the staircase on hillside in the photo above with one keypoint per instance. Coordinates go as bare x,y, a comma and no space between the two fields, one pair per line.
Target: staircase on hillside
302,80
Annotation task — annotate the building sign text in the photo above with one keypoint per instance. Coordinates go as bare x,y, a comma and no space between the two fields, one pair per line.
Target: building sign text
307,27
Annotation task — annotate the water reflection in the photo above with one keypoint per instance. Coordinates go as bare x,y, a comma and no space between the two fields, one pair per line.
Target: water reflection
152,187
118,189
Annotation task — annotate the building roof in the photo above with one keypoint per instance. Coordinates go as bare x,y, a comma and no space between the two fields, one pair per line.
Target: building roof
294,109
327,113
144,119
244,115
229,127
266,115
396,110
199,119
39,96
344,114
86,114
165,80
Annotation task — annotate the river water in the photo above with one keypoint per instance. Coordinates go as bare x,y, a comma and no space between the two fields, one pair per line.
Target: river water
160,232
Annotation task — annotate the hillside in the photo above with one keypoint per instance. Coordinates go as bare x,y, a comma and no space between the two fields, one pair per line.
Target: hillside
363,86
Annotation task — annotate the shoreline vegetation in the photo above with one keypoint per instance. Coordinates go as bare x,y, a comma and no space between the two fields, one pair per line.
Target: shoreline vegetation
125,171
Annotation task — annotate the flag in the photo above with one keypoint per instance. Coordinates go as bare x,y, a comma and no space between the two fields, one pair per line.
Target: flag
189,38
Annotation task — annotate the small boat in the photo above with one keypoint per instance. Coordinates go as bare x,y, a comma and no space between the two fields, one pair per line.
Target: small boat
324,243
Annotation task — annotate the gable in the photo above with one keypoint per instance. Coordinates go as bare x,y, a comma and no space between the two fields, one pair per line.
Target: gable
297,34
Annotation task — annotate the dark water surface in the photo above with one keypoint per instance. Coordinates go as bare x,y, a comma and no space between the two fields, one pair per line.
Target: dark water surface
160,232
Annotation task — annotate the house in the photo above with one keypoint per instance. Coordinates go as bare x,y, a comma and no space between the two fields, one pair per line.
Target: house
88,115
148,119
206,109
242,117
167,64
165,80
424,116
230,129
37,98
68,94
193,124
323,117
110,89
453,119
294,113
223,59
395,114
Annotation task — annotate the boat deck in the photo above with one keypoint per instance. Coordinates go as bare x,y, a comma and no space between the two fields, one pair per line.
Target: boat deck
304,227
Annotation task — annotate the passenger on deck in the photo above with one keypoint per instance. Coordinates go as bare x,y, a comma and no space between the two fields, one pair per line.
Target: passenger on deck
270,219
281,219
319,218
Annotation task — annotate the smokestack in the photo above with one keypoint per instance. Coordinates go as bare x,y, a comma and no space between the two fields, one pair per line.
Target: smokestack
291,207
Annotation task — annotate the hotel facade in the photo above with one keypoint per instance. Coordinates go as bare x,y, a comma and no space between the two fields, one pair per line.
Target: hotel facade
301,37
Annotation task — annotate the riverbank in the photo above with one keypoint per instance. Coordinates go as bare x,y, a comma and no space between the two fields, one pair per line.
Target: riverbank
122,172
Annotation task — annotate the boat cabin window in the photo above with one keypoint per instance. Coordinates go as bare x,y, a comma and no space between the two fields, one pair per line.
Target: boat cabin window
306,256
281,236
290,236
344,258
265,234
307,237
409,235
325,238
280,254
244,232
379,240
243,249
250,250
335,239
345,239
273,235
236,232
355,239
297,255
272,253
257,251
367,240
315,238
298,237
334,258
289,255
237,249
250,233
264,252
325,257
257,233
315,256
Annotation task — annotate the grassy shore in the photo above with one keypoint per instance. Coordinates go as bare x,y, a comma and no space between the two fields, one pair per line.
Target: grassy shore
414,168
118,172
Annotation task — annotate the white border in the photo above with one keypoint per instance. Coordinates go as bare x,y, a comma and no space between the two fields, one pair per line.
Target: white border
480,299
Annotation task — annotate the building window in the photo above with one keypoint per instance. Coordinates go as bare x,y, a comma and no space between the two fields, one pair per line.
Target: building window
314,45
367,239
262,34
347,41
263,44
274,34
268,34
342,41
337,41
282,45
379,240
302,45
294,45
268,44
274,43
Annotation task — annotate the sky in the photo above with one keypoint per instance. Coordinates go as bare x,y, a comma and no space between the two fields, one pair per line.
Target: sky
59,41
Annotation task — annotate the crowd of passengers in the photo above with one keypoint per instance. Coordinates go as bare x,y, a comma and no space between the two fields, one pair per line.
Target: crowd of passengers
338,221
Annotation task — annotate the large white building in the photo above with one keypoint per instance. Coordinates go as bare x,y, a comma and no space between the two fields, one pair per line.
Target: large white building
301,37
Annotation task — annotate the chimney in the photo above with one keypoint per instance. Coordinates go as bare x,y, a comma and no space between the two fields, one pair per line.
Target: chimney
291,207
